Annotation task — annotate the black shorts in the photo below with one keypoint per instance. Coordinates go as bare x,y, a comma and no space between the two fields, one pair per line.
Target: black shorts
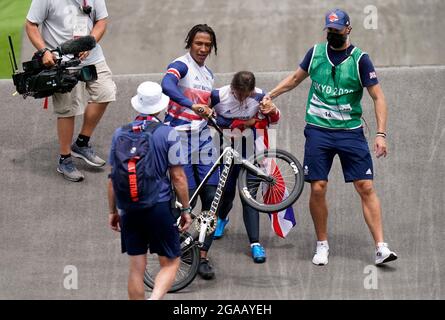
153,228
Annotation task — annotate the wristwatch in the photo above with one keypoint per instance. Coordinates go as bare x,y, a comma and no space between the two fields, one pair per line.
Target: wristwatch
41,52
186,210
381,134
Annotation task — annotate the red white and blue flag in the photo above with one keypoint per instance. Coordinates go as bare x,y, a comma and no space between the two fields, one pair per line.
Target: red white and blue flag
283,221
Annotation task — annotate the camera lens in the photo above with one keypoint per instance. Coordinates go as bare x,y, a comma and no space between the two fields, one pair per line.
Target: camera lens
88,73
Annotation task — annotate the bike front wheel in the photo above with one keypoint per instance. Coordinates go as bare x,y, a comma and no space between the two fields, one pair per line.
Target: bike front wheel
188,267
283,188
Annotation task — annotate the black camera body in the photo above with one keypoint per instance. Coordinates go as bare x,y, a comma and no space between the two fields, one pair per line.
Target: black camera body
39,81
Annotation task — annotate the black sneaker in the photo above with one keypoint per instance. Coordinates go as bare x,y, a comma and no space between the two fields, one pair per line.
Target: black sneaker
205,269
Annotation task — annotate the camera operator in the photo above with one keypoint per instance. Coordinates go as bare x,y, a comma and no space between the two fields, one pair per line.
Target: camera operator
60,21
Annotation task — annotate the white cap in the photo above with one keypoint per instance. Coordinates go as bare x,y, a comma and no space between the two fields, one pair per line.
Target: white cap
149,98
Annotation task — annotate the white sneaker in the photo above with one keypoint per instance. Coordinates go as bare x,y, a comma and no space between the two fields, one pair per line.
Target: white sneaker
383,254
321,254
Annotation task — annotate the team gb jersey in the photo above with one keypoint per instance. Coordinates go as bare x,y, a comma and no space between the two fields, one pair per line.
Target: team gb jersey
195,83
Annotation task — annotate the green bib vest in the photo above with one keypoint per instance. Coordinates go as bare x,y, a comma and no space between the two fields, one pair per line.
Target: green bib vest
334,97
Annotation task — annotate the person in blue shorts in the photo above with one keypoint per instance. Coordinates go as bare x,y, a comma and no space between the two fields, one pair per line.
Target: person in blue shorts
155,227
188,82
339,71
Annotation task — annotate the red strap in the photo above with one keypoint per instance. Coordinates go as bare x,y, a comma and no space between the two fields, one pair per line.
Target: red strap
142,118
132,179
147,118
45,103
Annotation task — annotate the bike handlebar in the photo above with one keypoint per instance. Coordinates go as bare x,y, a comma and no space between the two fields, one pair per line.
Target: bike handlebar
213,121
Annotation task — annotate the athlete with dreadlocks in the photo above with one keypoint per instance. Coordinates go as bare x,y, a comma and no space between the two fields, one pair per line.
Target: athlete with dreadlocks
188,83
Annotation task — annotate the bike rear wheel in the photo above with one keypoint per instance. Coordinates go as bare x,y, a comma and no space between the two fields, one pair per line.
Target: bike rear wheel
279,194
188,267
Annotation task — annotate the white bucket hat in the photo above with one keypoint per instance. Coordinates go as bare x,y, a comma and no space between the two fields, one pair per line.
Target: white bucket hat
149,98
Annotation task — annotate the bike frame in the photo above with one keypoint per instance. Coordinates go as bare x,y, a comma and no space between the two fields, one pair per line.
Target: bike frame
229,155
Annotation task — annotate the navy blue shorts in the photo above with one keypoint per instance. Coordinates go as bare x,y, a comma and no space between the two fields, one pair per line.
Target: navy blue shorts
153,228
323,144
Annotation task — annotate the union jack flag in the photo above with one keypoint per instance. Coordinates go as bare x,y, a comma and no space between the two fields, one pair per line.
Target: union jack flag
281,222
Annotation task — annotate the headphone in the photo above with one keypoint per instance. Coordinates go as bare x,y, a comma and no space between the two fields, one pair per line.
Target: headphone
333,71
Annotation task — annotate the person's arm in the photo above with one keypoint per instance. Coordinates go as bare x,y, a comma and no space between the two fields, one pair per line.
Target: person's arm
179,181
100,20
381,114
113,216
214,98
368,76
176,71
33,32
274,115
100,26
289,83
99,29
270,110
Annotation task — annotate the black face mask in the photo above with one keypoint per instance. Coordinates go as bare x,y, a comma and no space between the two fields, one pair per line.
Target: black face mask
336,40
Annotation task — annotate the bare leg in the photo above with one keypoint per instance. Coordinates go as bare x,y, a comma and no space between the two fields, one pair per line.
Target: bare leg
65,131
371,208
93,114
136,290
319,209
165,277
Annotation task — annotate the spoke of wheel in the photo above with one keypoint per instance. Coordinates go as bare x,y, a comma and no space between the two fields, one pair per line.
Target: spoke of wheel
180,273
280,187
276,195
269,195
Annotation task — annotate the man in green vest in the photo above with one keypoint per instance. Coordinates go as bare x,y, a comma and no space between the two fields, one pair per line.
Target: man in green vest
339,71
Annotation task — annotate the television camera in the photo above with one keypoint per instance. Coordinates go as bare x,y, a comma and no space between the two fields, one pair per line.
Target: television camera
39,81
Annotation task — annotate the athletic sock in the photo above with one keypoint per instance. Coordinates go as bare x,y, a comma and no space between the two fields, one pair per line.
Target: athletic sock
63,157
323,243
82,141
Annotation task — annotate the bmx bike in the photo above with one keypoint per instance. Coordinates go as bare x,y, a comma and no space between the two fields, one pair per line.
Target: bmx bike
270,181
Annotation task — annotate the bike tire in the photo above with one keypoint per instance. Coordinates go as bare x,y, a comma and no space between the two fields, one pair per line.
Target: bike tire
188,268
289,167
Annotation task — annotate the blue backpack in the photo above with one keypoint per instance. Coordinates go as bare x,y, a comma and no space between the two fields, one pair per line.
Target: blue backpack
134,178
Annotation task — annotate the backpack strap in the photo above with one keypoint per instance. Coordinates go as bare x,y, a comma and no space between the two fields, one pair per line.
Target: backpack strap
127,127
132,179
151,127
142,118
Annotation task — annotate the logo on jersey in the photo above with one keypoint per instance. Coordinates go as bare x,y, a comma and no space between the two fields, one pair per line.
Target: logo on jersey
333,17
369,172
174,72
372,75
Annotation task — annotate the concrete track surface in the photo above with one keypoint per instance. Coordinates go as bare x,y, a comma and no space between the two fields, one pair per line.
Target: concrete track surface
47,223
